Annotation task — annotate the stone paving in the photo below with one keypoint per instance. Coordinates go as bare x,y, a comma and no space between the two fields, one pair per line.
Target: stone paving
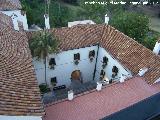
63,93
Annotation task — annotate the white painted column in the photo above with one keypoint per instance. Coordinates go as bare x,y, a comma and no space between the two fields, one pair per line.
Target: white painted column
123,77
70,95
106,19
47,25
99,86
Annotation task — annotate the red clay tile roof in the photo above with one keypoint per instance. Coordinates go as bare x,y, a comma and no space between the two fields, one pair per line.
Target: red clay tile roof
19,92
97,105
76,37
10,5
130,53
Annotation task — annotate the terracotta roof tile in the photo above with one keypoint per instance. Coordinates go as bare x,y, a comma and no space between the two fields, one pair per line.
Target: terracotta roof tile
10,5
130,53
19,93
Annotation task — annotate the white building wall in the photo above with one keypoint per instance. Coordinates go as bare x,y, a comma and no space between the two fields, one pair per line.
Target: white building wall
70,24
2,117
108,69
19,17
65,66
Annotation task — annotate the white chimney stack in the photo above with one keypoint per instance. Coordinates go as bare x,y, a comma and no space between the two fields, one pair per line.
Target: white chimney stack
156,49
99,86
25,24
142,71
15,22
70,95
106,19
47,25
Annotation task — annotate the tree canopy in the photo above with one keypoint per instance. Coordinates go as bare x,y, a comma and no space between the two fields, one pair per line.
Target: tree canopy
132,24
43,43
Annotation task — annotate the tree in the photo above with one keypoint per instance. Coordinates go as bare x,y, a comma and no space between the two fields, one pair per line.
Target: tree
132,24
42,44
96,10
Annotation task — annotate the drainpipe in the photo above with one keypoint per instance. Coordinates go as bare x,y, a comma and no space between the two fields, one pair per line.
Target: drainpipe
96,63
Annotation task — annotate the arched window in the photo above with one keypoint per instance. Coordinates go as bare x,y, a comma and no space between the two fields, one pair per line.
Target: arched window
105,59
105,62
77,56
102,74
54,81
114,71
92,53
52,63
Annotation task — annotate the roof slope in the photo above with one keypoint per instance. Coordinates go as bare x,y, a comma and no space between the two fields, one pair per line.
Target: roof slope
75,37
19,93
130,53
97,105
10,5
5,23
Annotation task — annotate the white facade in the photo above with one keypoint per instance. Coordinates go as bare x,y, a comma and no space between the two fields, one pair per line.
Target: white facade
65,66
17,16
70,24
108,69
3,117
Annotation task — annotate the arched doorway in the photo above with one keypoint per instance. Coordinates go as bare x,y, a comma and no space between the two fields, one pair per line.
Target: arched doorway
76,79
76,75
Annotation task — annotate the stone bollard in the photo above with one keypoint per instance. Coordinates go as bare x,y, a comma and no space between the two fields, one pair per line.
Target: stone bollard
70,95
99,86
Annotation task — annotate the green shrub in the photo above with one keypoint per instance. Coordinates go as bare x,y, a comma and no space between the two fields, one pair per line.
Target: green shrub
44,88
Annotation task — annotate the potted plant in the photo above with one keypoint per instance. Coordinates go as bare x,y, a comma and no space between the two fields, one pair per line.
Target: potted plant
91,58
76,62
114,71
104,62
104,65
44,88
52,66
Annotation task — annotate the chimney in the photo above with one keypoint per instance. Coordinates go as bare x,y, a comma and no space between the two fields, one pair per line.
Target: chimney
99,86
156,49
15,22
70,95
106,19
142,71
47,25
123,77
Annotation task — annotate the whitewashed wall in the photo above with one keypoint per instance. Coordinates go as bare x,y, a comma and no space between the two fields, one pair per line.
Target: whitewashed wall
3,117
70,24
108,69
65,66
19,17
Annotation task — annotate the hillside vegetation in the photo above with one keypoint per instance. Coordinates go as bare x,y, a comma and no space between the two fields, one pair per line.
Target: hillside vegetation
125,18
